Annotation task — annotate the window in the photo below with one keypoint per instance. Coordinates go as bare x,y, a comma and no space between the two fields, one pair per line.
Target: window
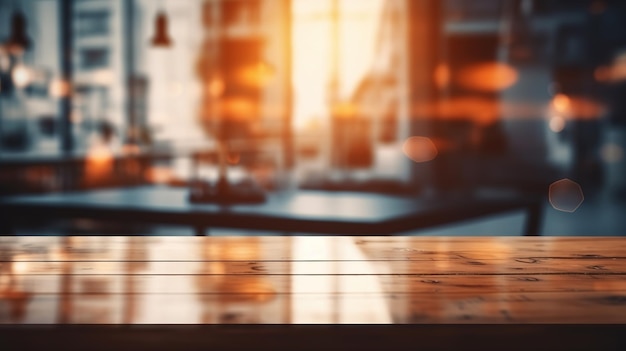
94,58
93,23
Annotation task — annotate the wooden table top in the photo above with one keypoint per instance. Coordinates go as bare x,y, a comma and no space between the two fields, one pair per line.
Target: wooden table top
294,280
297,211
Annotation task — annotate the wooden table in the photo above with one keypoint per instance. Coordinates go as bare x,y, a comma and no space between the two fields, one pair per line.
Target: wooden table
273,281
316,212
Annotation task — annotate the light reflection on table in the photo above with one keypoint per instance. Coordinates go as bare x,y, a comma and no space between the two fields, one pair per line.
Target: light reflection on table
293,280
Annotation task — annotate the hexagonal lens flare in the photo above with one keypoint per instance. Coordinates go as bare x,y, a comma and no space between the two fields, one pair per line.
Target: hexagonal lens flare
565,195
419,149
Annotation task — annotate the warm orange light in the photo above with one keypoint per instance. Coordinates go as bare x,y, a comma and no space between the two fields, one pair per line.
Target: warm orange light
238,108
561,103
257,75
618,68
602,74
216,87
344,110
159,175
478,110
313,124
613,73
442,75
576,107
59,88
99,154
233,158
420,149
488,76
99,162
315,61
19,266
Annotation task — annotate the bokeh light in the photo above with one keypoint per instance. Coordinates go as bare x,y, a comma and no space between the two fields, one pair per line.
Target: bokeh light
576,107
618,68
557,124
99,162
216,87
22,76
159,175
561,103
20,267
612,153
344,110
59,88
237,108
442,76
488,76
565,195
420,149
257,75
233,158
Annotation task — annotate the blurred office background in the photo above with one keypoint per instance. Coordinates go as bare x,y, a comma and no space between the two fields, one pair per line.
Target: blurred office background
407,97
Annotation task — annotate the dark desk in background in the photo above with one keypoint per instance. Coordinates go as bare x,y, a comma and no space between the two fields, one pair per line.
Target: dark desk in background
39,172
316,212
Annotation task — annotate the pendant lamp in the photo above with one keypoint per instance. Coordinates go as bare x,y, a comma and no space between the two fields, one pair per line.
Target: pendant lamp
161,37
18,40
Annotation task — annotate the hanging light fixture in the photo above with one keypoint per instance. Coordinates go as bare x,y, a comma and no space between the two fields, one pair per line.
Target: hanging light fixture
18,40
161,37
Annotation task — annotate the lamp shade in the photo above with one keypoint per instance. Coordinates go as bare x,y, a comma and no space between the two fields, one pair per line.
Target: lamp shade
18,39
161,37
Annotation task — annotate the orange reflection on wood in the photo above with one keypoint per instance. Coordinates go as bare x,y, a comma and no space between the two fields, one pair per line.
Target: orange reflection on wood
219,262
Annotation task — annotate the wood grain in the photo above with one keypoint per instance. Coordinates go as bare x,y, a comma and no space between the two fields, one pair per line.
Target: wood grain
293,280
